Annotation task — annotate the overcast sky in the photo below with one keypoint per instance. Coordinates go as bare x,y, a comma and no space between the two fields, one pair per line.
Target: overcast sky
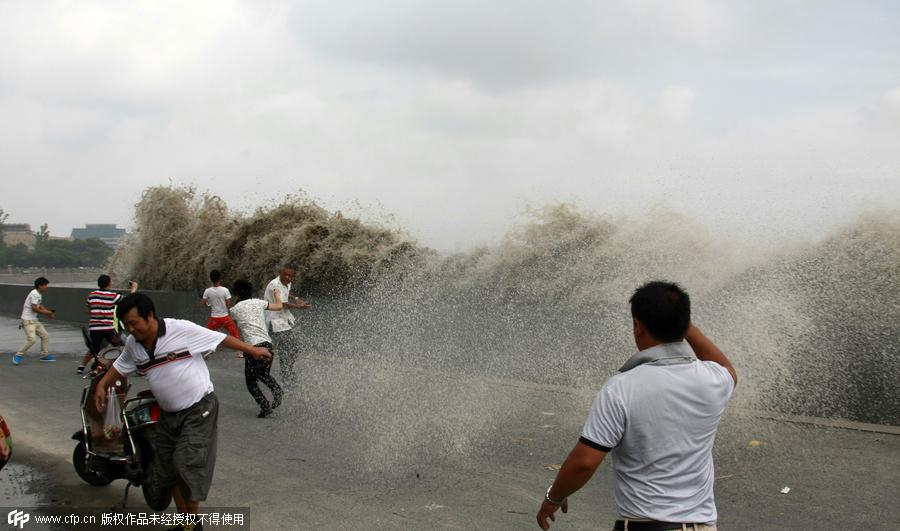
761,118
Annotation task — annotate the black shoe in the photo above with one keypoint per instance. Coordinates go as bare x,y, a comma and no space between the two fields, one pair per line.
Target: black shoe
264,412
80,369
276,399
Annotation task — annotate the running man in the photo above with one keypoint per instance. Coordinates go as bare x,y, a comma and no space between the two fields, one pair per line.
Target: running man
250,316
30,310
169,352
282,322
101,306
218,298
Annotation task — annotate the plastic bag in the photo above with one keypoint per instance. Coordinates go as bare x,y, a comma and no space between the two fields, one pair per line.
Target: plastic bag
112,420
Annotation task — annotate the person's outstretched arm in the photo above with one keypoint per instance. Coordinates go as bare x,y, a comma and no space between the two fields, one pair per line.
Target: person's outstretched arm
277,305
576,470
43,310
234,343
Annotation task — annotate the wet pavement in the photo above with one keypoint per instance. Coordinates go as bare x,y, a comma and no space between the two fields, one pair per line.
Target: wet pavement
367,444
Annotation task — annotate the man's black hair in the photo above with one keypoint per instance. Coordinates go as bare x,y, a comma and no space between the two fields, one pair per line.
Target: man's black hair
243,289
137,300
40,281
103,281
664,309
215,275
288,266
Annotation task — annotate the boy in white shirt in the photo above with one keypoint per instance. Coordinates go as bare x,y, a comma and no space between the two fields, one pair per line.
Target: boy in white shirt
218,298
250,316
30,310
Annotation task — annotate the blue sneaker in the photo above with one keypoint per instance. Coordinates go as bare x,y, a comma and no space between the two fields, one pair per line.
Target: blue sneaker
48,357
17,359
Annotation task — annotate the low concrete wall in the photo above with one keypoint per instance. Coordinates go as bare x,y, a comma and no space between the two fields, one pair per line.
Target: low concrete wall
69,303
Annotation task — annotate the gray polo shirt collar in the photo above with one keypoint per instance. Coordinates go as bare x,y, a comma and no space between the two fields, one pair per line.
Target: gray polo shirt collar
662,354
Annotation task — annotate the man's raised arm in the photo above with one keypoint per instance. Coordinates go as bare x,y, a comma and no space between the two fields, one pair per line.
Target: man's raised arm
707,351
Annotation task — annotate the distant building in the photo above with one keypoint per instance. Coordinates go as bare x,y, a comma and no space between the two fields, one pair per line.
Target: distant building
108,233
14,233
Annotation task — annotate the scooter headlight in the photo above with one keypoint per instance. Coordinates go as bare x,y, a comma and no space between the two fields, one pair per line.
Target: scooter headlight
142,416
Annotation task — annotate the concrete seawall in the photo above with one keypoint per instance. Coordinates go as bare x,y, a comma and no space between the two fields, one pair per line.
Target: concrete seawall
69,303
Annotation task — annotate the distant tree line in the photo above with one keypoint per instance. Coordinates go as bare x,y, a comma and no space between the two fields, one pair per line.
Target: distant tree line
53,253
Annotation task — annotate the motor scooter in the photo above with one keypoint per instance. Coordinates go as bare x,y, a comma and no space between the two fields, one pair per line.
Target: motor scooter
101,457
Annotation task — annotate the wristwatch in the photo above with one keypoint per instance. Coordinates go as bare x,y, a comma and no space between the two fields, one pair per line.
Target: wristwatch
547,498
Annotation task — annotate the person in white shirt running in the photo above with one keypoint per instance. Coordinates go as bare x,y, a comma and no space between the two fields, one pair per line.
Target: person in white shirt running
250,316
282,322
169,352
218,298
30,310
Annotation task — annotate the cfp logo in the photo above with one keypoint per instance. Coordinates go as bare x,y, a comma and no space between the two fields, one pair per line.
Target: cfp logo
17,518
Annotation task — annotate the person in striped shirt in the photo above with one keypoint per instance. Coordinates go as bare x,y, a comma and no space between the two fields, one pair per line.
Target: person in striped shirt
101,307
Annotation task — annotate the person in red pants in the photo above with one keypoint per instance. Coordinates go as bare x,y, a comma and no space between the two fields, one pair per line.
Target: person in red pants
218,298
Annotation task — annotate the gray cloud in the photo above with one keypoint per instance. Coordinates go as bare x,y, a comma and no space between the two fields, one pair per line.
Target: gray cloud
509,43
456,117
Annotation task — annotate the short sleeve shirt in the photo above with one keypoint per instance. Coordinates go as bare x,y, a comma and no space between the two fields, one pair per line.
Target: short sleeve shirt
249,316
217,298
102,306
176,371
282,320
659,421
34,297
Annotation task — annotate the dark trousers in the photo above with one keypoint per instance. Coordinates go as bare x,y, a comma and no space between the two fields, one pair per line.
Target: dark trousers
99,336
258,371
287,355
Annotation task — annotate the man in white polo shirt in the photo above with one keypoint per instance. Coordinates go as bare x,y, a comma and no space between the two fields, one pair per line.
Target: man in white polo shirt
658,417
281,322
170,353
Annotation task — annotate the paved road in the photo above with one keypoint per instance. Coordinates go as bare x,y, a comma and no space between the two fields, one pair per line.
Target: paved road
366,444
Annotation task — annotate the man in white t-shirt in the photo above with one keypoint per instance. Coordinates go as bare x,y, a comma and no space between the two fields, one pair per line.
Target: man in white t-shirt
282,322
33,307
658,418
218,298
170,353
250,316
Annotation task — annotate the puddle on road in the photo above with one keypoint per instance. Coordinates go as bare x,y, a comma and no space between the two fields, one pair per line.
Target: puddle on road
15,485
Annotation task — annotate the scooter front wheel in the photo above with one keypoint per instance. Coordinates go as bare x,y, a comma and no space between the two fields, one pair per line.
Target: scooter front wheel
79,459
